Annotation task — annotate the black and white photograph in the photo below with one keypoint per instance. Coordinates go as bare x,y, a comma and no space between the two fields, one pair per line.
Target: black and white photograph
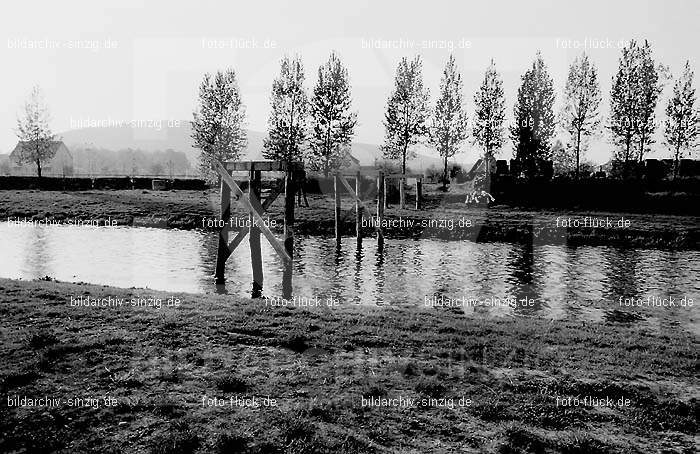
349,227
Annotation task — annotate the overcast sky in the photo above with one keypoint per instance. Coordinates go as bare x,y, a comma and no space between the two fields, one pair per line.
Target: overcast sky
144,60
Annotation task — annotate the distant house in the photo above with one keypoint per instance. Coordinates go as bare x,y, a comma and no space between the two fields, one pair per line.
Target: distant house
351,162
60,165
4,164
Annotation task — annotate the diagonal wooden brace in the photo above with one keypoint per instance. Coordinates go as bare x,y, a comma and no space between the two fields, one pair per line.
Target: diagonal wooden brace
240,236
236,190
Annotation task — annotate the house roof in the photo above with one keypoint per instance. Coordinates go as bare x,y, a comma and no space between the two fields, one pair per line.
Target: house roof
354,160
55,145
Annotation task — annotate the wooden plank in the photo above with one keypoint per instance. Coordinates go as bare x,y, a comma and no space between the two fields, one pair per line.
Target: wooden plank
219,167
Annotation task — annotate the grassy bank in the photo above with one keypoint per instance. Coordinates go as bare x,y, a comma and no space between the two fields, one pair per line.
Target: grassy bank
318,364
440,218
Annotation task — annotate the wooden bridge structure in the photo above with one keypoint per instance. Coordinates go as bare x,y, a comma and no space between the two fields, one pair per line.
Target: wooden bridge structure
256,202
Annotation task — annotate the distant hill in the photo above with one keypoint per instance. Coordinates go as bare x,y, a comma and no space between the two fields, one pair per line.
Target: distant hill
177,137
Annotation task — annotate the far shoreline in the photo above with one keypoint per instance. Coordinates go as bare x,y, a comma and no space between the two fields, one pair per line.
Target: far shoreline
442,219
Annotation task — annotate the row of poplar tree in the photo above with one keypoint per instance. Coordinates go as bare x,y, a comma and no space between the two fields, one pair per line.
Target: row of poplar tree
319,130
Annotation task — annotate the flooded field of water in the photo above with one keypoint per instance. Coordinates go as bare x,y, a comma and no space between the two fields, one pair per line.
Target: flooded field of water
482,279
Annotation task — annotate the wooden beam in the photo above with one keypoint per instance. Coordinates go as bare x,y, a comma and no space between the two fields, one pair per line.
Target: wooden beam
367,173
254,233
271,197
336,204
289,190
385,193
237,166
222,250
419,192
242,233
381,200
233,244
358,208
403,175
219,167
265,166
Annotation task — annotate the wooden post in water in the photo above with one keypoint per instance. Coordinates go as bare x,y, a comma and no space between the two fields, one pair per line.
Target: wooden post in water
358,209
336,190
384,192
381,200
254,232
222,251
419,192
402,193
289,190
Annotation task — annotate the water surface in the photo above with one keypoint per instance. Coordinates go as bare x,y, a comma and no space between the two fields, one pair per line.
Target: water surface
557,281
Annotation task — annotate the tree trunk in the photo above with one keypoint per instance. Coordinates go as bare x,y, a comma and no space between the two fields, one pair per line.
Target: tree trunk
38,167
487,158
676,161
444,180
403,165
578,153
627,156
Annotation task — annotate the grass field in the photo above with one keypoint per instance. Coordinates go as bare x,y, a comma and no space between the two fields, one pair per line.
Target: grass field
156,365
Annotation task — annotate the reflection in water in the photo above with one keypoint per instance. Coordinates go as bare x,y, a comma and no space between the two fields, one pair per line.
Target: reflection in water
379,274
585,282
620,272
357,277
